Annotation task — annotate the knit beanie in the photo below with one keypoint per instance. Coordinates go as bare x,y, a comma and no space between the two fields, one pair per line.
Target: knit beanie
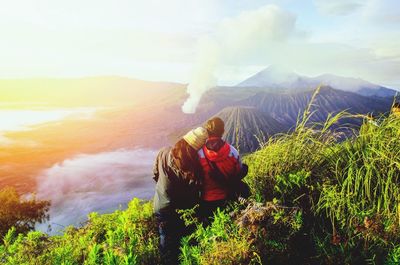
196,138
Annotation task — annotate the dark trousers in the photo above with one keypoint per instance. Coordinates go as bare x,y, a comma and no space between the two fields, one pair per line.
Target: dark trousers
207,209
171,229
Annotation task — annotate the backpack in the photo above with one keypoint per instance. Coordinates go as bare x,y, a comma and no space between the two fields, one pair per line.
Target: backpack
236,186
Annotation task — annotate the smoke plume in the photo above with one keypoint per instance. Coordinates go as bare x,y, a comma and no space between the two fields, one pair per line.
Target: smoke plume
245,35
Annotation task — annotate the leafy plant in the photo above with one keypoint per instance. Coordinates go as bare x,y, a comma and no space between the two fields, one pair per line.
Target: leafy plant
122,237
223,242
18,213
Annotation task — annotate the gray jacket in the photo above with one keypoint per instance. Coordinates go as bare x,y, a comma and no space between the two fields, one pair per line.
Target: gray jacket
173,190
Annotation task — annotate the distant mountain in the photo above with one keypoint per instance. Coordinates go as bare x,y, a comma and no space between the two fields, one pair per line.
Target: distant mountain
286,107
356,85
103,91
277,79
253,114
246,126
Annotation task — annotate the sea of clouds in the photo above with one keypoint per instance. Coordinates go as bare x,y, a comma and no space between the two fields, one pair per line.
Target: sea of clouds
101,182
22,120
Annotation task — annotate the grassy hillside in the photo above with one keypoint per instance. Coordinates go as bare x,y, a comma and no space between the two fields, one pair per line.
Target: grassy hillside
315,201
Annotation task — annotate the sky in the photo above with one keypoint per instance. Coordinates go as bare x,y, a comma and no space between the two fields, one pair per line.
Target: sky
175,40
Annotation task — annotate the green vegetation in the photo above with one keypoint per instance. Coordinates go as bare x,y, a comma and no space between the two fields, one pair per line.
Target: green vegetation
315,201
18,213
123,237
348,192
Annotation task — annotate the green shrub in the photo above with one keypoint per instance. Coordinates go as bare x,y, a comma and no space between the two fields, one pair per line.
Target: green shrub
18,213
122,237
394,256
222,242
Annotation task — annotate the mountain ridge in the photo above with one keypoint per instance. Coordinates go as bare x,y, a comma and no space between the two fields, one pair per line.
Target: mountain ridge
286,107
246,126
276,79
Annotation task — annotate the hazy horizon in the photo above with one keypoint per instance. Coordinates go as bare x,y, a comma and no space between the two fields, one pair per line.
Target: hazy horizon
396,87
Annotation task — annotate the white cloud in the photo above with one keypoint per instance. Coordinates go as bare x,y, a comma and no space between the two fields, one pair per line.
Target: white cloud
338,7
95,182
77,38
238,38
386,12
363,44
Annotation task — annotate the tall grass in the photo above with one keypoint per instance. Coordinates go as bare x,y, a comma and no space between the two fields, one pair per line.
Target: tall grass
349,188
302,150
365,177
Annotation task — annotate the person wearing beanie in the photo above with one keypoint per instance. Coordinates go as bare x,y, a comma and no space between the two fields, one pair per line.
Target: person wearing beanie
223,171
178,175
196,138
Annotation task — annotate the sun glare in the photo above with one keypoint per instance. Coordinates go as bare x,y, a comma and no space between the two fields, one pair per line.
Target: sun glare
17,120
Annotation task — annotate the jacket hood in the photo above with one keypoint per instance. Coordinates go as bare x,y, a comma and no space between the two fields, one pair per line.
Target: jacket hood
216,149
178,172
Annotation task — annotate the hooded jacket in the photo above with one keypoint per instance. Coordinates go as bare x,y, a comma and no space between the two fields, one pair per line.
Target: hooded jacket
173,190
226,158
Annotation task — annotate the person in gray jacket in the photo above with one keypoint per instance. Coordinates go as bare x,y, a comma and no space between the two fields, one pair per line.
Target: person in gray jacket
178,174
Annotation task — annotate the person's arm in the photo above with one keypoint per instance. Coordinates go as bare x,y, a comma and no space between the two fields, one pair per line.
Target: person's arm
242,168
243,171
235,154
156,172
